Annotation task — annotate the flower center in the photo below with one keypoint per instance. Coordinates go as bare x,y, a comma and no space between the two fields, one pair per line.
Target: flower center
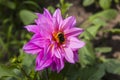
59,37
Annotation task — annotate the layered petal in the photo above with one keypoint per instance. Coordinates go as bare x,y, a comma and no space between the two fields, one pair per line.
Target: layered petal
31,48
53,66
32,28
42,19
76,56
46,30
41,42
74,24
47,14
57,15
75,43
43,61
68,23
69,56
45,24
73,32
55,25
57,53
35,45
36,36
58,64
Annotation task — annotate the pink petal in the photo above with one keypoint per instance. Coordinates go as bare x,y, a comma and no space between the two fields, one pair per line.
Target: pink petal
74,23
45,24
57,15
57,64
69,55
47,14
35,36
43,61
73,32
46,30
32,28
41,42
55,24
31,48
57,53
53,66
43,20
60,66
75,43
68,22
76,56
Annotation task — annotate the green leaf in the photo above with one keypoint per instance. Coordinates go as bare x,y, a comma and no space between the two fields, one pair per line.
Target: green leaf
27,16
32,3
65,7
112,66
27,61
6,71
98,73
103,49
86,54
54,76
91,32
113,30
94,72
7,78
61,2
104,15
72,72
51,9
99,22
9,32
11,5
8,4
105,4
88,2
117,1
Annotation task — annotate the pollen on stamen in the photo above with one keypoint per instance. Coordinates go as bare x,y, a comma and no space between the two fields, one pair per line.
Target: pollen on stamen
59,37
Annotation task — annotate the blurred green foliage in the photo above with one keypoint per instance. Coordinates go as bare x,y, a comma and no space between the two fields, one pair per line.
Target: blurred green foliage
16,65
104,4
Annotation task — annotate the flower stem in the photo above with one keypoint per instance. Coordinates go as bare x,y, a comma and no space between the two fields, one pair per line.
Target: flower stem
41,75
23,71
47,75
35,76
44,75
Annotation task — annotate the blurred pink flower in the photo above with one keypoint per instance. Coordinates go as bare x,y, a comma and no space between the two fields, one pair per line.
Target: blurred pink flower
54,41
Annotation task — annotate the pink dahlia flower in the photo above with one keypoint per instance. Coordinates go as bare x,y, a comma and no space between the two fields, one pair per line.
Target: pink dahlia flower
54,41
